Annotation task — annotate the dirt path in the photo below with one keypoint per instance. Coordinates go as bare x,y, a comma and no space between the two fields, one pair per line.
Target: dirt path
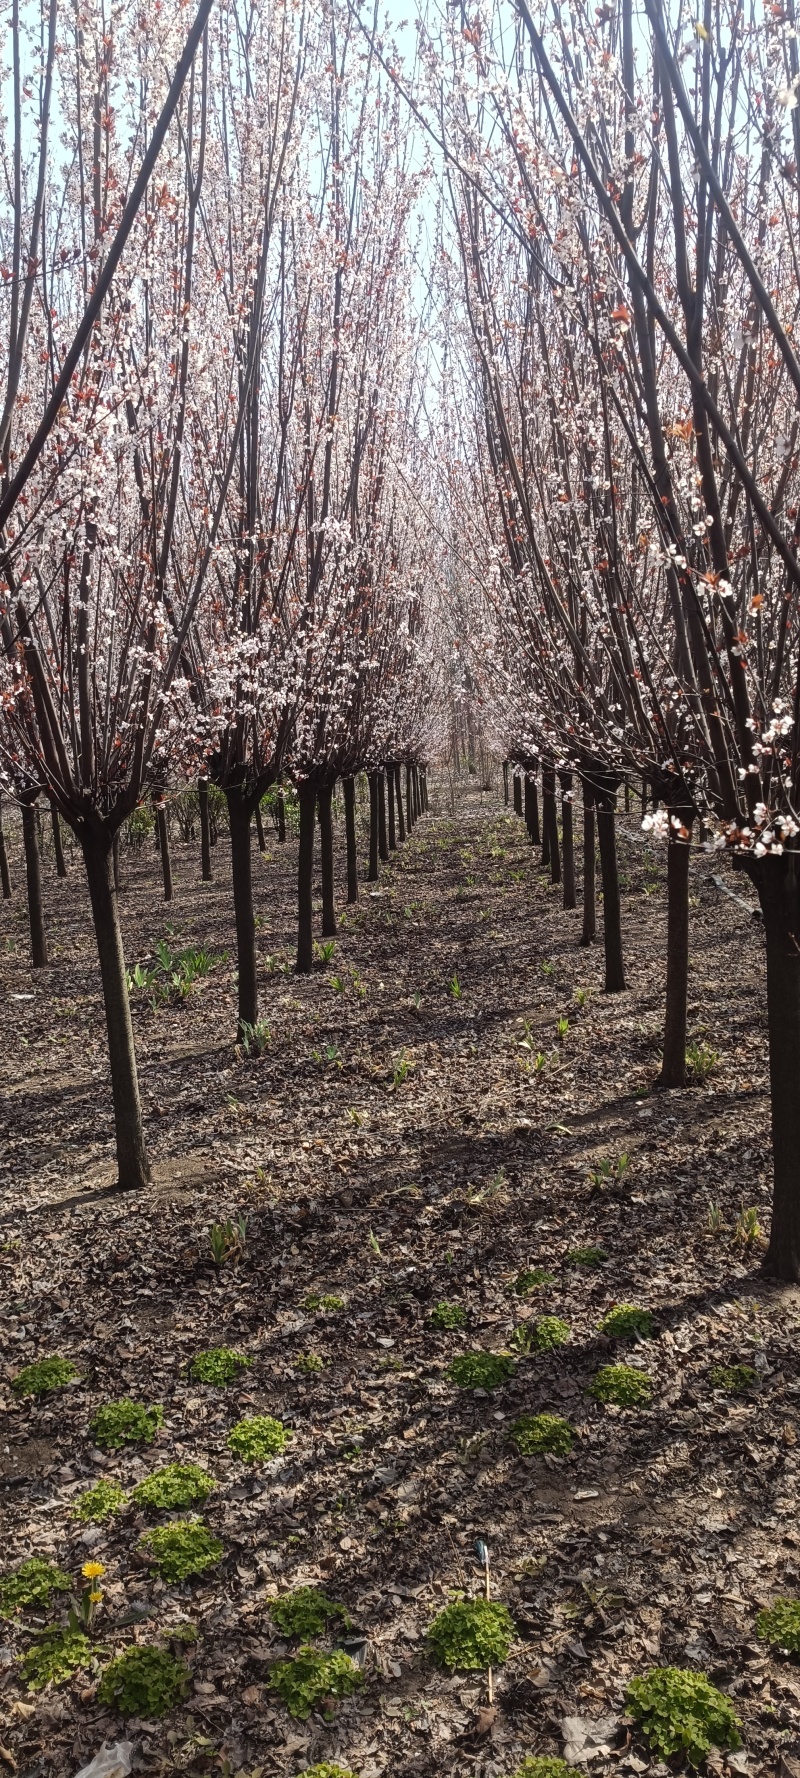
396,1146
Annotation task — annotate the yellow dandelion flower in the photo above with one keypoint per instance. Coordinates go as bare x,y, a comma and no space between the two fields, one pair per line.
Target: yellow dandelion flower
94,1598
92,1570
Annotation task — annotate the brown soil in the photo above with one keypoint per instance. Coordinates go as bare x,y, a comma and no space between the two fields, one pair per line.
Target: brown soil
655,1543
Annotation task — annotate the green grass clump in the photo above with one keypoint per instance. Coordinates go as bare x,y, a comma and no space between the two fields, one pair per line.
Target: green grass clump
622,1386
535,1279
125,1422
448,1316
310,1362
548,1332
533,1434
258,1439
218,1366
306,1678
627,1323
54,1657
329,1304
182,1549
174,1486
32,1583
99,1503
682,1713
589,1257
144,1681
780,1625
471,1634
46,1374
306,1612
544,1765
326,1770
481,1370
735,1379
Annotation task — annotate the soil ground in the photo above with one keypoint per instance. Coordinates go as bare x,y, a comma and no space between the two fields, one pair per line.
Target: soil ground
398,1145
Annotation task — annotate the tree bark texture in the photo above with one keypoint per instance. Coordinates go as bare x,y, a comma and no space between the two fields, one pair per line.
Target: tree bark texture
777,881
33,875
673,1066
349,788
383,844
5,874
517,793
133,1167
305,878
324,802
372,874
58,846
390,807
205,830
550,821
589,870
398,790
163,846
568,840
606,806
239,814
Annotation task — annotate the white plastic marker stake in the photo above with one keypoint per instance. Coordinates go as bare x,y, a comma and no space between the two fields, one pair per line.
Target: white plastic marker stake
482,1553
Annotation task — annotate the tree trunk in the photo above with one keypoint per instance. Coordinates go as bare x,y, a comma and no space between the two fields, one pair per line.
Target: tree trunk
239,814
305,879
409,801
383,846
349,787
33,873
372,875
390,807
550,820
61,865
425,803
205,830
262,843
398,791
536,838
517,794
673,1067
777,881
589,869
163,846
115,864
505,782
606,803
570,898
132,1164
281,819
5,875
324,801
528,806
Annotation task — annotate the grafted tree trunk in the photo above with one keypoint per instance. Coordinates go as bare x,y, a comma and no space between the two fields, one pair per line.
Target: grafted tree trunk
162,833
305,878
133,1167
239,814
372,874
5,874
505,782
517,794
205,830
605,794
777,881
349,788
550,820
281,819
58,848
673,1066
324,802
398,790
570,898
390,807
383,846
262,841
33,875
589,868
